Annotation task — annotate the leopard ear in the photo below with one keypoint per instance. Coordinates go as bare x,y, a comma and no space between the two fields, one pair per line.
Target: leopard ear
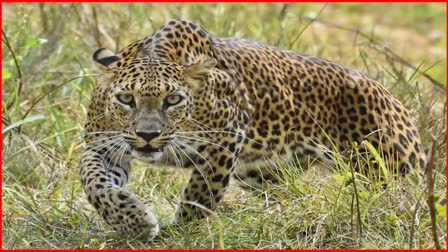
197,73
105,59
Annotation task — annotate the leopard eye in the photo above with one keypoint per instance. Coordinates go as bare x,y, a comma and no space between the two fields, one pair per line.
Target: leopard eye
127,99
172,100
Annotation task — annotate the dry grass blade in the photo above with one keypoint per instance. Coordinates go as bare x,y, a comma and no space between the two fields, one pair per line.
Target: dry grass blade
17,65
430,195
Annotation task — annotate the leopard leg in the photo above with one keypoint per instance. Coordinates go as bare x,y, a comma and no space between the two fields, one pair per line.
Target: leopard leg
252,177
103,180
209,180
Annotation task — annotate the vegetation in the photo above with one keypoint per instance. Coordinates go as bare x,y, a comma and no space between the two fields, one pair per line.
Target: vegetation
48,76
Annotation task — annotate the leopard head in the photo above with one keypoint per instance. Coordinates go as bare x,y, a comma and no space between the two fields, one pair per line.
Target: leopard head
150,98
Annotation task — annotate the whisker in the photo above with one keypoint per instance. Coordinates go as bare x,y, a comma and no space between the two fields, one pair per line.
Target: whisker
202,129
165,157
237,160
173,153
116,152
196,122
113,152
95,119
199,170
195,151
206,141
107,145
102,139
103,142
125,148
220,132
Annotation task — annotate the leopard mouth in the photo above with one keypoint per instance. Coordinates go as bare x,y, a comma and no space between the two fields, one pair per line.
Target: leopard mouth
148,149
147,153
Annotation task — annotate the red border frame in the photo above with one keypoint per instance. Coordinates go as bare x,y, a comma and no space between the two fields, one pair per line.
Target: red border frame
240,250
225,1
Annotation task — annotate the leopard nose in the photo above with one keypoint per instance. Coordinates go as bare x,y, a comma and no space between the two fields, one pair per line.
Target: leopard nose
148,135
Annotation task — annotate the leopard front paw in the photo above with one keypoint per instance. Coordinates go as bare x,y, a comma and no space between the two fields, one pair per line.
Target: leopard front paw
126,214
137,220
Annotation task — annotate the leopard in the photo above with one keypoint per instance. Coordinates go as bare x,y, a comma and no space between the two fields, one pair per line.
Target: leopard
226,106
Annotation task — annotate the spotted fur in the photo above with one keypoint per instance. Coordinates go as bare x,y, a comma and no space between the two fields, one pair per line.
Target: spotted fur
226,105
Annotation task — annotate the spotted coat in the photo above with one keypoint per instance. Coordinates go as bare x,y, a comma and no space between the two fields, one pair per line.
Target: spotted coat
225,106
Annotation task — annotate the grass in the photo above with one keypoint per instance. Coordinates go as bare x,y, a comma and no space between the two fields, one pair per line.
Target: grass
45,94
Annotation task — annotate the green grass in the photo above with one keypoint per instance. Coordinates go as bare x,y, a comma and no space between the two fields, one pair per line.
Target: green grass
43,114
